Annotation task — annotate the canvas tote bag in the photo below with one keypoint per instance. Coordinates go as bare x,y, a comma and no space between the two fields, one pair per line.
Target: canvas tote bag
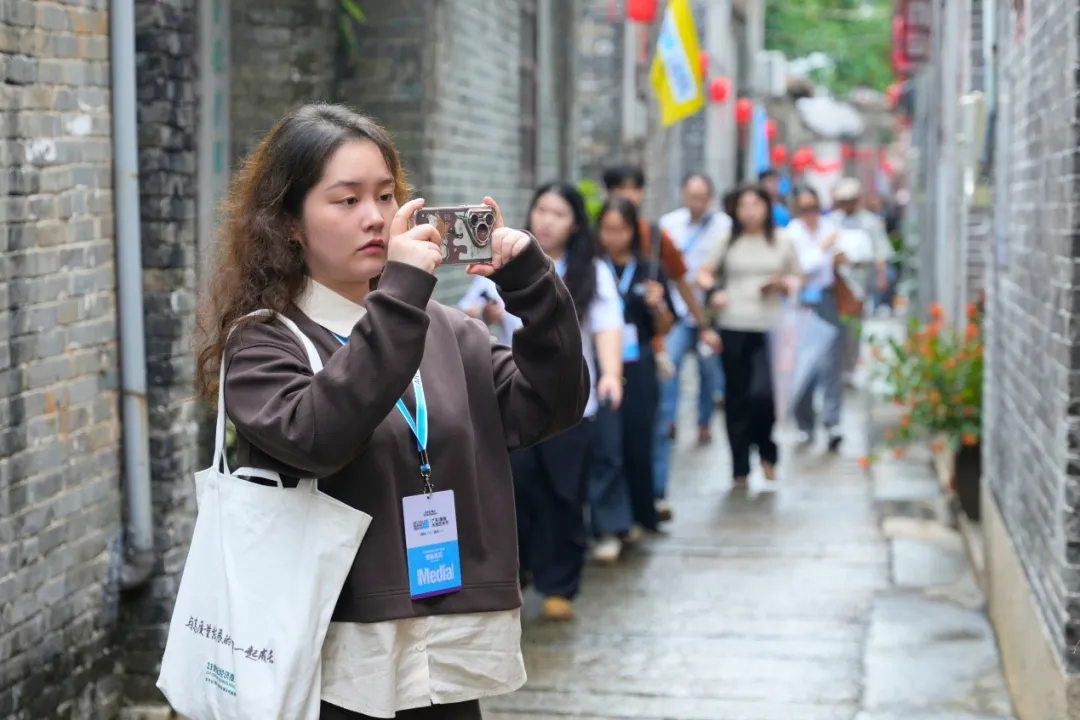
264,571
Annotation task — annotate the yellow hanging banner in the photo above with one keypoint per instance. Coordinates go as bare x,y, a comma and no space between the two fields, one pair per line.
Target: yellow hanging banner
676,68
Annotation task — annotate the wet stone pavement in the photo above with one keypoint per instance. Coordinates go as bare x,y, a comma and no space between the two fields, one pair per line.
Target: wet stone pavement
777,603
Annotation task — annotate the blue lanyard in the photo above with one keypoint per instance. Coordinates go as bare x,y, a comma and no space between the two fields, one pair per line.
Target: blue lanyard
418,425
627,276
690,243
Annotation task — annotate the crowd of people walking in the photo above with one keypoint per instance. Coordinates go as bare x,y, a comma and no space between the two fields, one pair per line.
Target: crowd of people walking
704,281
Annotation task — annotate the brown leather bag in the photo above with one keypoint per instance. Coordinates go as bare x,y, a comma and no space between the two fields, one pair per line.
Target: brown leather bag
847,304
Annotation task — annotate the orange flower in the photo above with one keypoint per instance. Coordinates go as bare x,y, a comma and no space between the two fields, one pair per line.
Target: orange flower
864,462
936,311
969,439
971,331
905,420
972,311
937,446
950,363
957,399
898,451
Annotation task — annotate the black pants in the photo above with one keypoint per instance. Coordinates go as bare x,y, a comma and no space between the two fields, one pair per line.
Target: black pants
455,711
550,481
749,398
640,400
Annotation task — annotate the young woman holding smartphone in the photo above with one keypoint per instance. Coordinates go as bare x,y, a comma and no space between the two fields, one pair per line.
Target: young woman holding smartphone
414,398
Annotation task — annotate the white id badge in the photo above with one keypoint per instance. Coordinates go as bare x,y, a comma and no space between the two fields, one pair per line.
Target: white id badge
631,350
431,544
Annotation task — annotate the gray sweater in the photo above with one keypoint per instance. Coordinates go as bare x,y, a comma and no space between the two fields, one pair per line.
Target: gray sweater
748,265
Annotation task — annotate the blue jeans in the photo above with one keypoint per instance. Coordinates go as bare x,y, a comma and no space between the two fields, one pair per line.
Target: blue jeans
681,341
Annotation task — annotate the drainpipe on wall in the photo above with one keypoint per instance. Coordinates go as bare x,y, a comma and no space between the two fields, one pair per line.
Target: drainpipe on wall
139,556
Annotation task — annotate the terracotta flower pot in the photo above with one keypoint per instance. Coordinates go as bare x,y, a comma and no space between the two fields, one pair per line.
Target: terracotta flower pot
967,479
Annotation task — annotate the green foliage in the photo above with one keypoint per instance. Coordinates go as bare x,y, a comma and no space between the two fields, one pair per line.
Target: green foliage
349,17
855,34
594,198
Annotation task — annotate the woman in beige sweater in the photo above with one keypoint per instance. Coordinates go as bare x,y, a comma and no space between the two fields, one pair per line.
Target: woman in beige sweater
746,277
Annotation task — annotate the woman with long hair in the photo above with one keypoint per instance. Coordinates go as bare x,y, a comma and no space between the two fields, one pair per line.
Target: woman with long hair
747,277
551,477
621,494
413,399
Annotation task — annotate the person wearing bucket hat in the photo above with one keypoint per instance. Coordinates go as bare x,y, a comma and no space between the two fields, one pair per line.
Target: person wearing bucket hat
849,214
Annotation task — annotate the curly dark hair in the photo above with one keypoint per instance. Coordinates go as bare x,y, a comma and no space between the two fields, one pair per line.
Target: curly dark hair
257,265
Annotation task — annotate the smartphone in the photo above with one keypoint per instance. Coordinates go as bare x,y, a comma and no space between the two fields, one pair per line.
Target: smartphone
465,231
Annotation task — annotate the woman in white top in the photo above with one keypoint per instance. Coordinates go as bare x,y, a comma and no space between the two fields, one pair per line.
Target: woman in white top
815,239
550,479
755,267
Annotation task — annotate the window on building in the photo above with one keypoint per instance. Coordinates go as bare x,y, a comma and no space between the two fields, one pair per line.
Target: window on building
530,88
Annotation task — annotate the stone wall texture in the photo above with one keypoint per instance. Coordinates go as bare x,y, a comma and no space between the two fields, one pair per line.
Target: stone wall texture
60,513
1032,384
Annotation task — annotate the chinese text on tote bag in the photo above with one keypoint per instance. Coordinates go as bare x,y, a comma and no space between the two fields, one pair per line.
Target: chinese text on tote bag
263,574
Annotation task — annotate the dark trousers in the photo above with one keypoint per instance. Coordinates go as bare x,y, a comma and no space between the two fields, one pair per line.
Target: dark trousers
639,407
749,400
455,711
549,486
621,473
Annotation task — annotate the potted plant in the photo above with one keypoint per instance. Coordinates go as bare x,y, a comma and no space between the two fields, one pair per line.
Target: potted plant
935,376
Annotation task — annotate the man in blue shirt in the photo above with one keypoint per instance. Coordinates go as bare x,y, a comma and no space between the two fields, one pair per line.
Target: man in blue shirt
770,181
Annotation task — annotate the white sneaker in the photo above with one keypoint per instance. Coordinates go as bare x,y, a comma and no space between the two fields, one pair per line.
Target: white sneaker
607,549
803,438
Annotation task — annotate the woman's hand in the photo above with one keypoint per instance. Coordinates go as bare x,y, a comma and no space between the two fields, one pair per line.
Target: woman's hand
420,246
712,339
493,312
829,240
609,389
506,244
654,294
719,300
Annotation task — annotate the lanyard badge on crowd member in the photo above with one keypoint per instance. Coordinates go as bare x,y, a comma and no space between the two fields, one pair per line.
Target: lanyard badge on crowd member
631,346
430,519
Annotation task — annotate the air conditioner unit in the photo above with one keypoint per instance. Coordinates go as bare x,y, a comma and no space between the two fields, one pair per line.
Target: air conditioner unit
771,74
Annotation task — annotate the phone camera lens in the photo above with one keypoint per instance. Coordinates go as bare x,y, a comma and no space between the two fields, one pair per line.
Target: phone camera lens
482,234
489,219
473,219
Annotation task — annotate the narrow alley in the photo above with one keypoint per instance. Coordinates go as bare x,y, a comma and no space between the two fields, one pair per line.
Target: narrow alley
793,604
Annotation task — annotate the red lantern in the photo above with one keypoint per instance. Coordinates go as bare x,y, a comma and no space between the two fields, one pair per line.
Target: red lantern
744,110
802,159
641,11
719,90
770,129
779,155
703,59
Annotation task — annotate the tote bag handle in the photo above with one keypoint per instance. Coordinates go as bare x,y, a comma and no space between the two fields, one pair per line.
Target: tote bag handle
219,431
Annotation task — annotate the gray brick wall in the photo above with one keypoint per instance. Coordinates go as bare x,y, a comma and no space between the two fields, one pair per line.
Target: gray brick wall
283,53
166,81
599,54
60,532
1032,417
